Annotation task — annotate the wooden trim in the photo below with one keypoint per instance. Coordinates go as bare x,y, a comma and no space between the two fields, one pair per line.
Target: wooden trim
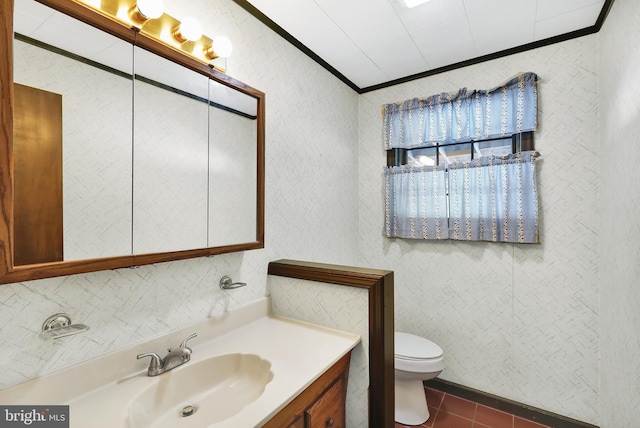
298,405
10,273
381,324
6,141
48,270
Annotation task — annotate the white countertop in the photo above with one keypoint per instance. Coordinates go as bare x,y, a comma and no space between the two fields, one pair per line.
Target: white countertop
100,391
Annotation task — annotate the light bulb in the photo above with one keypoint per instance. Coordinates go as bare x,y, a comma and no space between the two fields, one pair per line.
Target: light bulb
144,10
150,9
222,47
189,29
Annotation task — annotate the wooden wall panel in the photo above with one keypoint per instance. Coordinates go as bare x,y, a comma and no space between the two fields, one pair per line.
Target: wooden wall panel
37,149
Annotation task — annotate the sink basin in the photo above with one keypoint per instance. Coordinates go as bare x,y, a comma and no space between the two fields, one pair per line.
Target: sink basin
201,393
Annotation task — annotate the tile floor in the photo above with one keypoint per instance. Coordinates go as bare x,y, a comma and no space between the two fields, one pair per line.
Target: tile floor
449,411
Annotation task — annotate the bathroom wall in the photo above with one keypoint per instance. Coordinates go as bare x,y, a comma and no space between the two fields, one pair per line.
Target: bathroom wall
518,321
311,132
333,306
620,203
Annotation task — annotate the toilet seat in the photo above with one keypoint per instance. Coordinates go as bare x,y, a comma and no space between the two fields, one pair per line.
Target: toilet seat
415,348
414,354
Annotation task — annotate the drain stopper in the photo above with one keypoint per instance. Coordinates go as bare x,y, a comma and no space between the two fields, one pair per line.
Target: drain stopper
188,411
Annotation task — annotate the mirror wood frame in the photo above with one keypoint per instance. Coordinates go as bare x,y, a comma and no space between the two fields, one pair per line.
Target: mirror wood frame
10,273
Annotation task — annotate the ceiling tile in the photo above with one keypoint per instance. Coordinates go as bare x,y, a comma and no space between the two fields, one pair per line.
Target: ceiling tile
432,13
372,29
361,70
551,8
386,54
449,35
567,22
345,12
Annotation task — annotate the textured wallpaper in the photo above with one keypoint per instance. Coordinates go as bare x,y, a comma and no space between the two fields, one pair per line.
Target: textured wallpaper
620,202
311,151
518,321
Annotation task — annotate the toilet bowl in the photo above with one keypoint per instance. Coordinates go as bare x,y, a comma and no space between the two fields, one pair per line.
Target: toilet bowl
416,359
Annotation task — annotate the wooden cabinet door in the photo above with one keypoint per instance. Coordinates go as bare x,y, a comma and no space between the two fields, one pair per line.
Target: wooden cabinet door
329,410
298,423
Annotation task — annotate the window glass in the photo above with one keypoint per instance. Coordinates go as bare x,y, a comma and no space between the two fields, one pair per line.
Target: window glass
501,147
422,157
454,153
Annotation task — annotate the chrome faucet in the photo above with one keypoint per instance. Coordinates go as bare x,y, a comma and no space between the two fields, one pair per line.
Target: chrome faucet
176,357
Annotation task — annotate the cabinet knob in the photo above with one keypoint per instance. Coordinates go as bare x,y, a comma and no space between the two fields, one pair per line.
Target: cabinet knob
329,422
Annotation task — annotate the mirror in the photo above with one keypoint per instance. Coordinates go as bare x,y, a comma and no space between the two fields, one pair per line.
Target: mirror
170,156
90,71
161,157
232,165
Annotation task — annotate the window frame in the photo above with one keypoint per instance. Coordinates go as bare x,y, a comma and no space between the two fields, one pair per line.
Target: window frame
520,142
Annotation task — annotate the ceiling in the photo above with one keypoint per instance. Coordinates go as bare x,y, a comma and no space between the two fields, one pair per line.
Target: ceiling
371,44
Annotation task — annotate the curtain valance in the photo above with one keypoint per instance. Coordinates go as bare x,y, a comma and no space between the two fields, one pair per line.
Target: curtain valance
464,115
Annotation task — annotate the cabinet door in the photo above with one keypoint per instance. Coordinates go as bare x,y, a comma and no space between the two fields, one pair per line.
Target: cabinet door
329,410
298,423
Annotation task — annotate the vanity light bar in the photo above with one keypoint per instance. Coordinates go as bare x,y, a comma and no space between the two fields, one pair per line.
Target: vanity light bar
149,17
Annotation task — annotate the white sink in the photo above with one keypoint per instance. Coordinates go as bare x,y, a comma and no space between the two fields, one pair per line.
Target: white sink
201,393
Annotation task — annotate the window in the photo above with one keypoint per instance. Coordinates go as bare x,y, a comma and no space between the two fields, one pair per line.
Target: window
461,165
445,154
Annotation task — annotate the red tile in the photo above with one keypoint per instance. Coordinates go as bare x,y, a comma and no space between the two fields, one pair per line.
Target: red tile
458,406
434,397
447,420
493,418
525,423
431,420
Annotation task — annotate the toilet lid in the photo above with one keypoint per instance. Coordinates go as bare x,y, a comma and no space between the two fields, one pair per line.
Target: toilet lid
415,347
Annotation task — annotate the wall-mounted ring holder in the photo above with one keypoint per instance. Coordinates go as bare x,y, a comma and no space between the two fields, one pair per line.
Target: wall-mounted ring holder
226,283
59,325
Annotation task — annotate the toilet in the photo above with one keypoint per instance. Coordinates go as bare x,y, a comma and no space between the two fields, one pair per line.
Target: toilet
416,359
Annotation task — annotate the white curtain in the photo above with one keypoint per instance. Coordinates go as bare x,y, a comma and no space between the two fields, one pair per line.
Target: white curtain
416,202
494,199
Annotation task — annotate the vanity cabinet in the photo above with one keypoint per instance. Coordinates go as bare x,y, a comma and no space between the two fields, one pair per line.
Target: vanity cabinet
329,409
321,405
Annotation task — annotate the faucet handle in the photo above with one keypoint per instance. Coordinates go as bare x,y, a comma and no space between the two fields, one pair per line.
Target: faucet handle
184,342
155,362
